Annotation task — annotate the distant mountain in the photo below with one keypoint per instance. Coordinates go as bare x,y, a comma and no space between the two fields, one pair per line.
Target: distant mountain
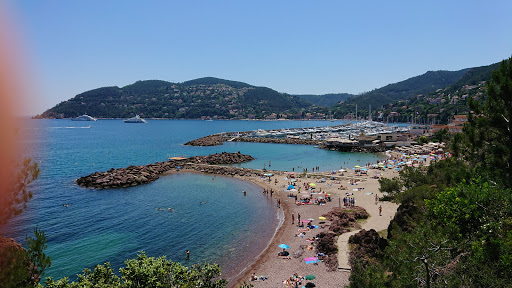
326,100
423,84
439,106
474,76
211,97
204,97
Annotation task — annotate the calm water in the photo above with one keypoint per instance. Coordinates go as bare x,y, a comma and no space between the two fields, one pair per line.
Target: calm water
112,225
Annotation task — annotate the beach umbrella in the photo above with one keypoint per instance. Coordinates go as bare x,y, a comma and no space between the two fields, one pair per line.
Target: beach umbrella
284,246
293,180
291,173
312,184
305,221
322,218
342,170
290,187
323,179
364,169
267,174
357,166
311,219
310,277
293,190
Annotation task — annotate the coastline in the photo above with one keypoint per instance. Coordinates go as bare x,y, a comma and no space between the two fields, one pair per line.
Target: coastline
277,270
235,278
266,263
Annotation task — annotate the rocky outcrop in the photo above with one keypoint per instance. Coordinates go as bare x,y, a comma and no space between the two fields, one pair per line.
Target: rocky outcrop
137,175
342,221
369,245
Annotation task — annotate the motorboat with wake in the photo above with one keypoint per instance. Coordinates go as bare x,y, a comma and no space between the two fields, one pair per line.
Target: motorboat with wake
84,117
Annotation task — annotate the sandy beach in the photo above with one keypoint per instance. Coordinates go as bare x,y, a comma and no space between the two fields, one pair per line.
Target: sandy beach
275,268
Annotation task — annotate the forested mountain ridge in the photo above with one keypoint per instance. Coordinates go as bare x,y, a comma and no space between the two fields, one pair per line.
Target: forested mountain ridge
439,106
422,84
436,92
204,97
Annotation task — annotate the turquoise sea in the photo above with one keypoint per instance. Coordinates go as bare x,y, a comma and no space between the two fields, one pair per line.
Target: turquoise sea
211,218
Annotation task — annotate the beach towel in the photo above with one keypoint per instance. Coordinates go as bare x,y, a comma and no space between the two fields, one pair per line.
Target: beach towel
310,260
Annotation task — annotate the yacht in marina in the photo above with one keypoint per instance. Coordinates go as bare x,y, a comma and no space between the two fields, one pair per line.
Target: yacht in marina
135,119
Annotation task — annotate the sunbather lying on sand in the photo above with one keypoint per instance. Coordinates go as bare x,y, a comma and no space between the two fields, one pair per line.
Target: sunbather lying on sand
256,278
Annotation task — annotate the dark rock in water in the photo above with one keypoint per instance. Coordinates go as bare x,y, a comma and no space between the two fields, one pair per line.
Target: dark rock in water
136,175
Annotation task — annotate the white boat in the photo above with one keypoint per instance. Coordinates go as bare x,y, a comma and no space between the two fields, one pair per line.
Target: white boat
84,117
135,119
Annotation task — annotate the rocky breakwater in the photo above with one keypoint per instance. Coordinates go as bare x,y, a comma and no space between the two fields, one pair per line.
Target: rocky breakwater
222,158
137,175
278,140
217,139
210,140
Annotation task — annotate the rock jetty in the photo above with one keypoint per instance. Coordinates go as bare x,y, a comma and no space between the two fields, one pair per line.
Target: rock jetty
210,140
217,139
137,175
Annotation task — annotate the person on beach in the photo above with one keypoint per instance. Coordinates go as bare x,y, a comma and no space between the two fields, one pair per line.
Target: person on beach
298,218
278,203
380,210
376,199
293,218
188,254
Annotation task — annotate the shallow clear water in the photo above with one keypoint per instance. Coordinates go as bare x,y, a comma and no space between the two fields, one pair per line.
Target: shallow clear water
112,225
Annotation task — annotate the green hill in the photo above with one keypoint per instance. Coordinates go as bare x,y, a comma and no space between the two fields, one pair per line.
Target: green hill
435,92
422,84
440,106
204,97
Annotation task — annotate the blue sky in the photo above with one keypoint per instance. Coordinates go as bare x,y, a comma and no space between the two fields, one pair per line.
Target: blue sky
297,47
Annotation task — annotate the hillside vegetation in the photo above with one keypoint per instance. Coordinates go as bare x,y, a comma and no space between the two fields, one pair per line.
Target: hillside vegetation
453,227
433,97
204,97
423,84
